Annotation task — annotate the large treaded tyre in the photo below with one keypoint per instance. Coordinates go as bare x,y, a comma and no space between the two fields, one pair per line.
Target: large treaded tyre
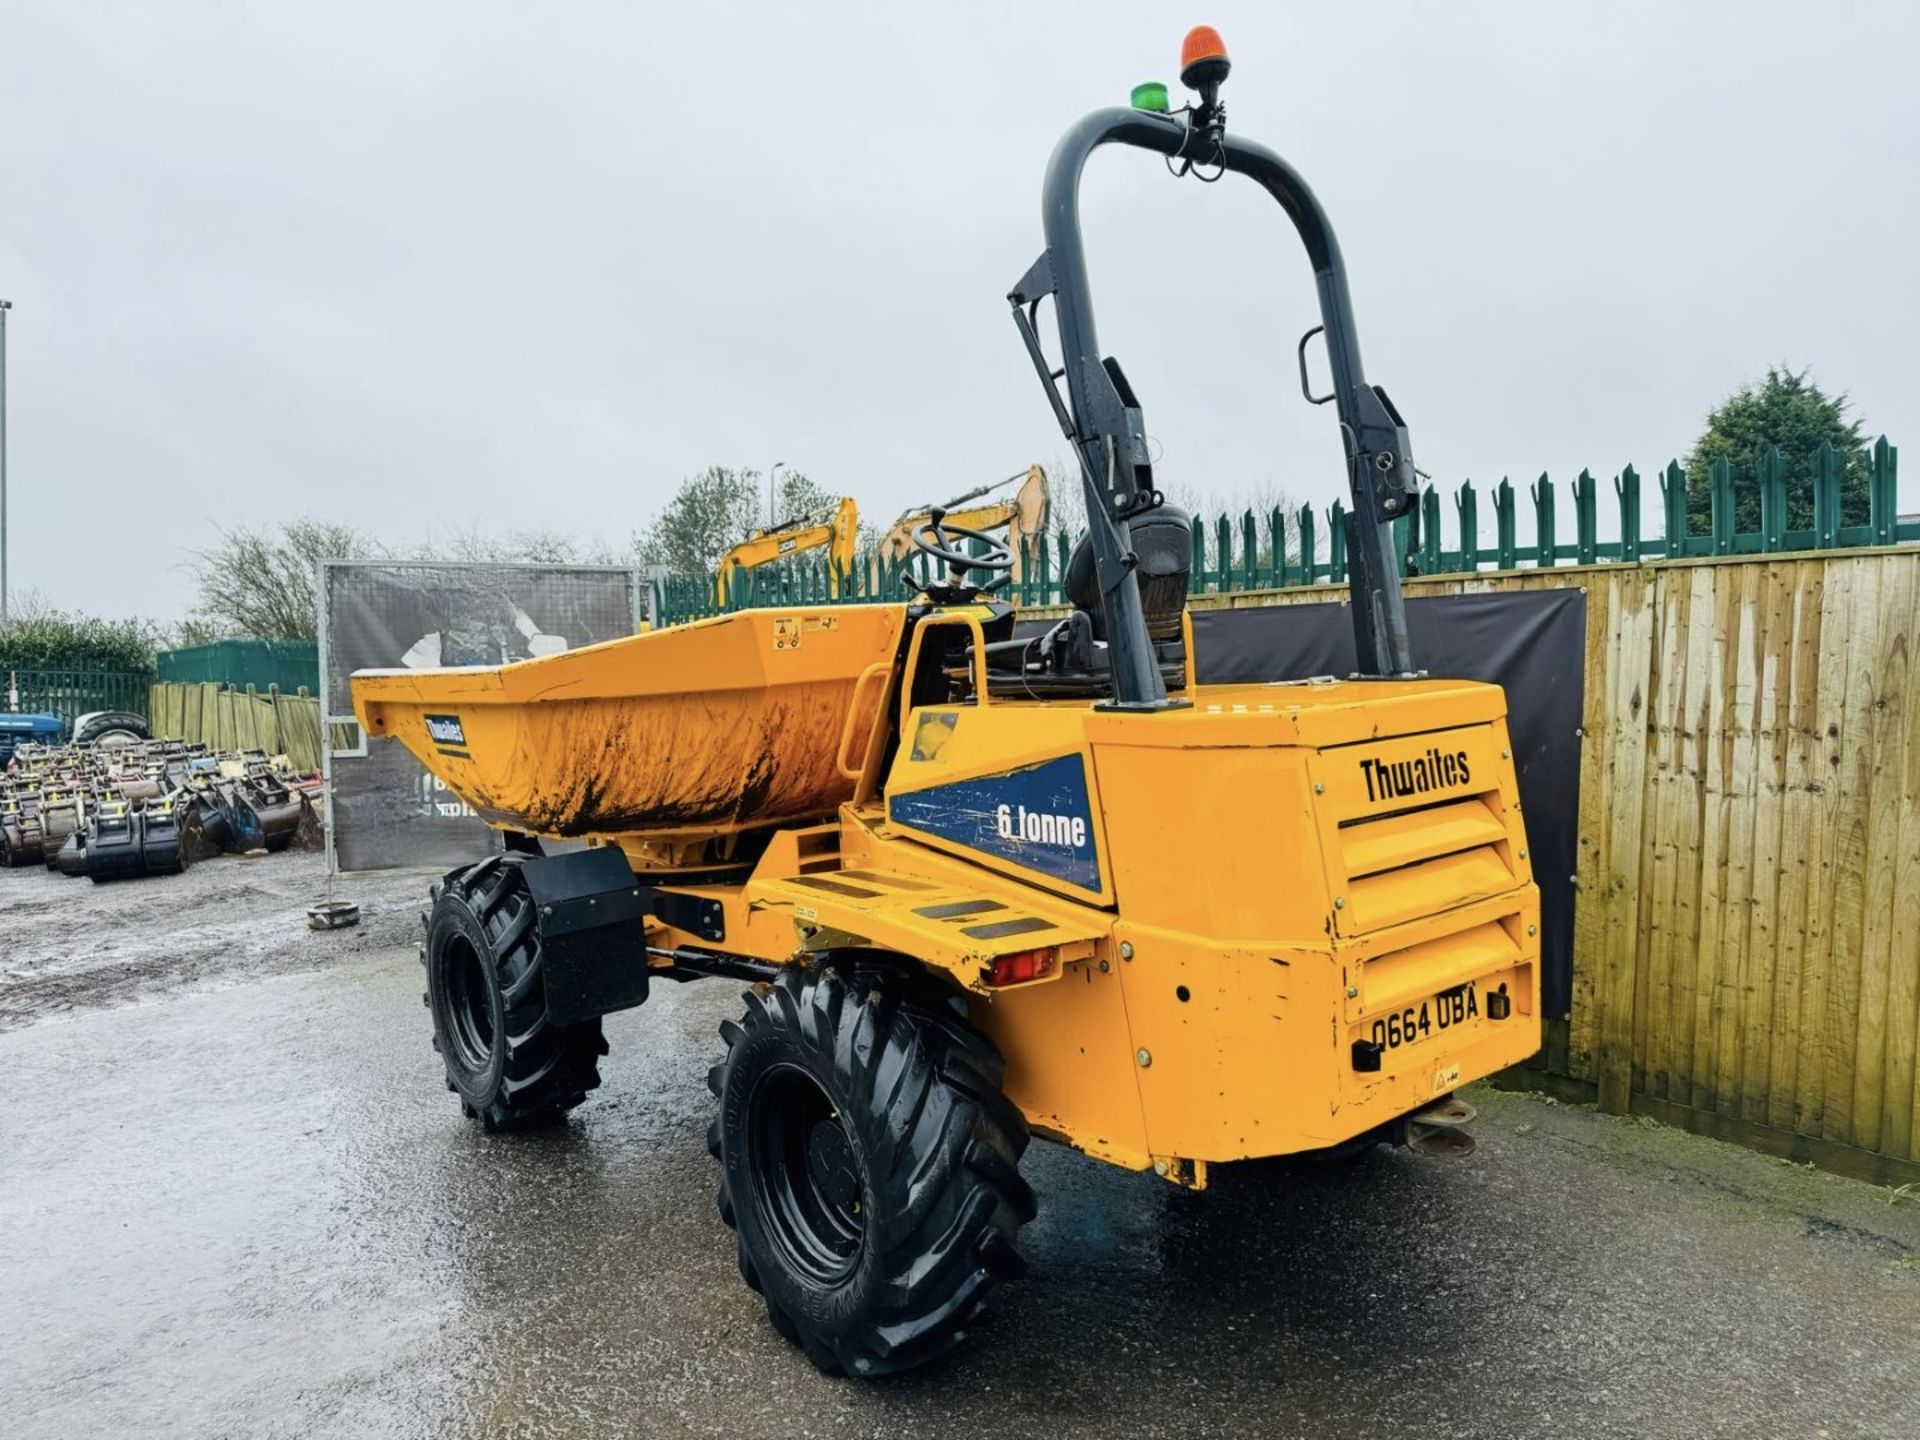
510,1065
869,1166
111,727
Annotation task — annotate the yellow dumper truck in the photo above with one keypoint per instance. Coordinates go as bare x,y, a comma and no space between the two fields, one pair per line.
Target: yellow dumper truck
985,884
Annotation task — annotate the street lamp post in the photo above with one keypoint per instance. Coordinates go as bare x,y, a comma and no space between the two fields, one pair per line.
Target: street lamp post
5,305
773,506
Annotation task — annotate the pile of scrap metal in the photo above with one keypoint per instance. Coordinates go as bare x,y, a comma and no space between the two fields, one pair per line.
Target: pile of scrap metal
118,812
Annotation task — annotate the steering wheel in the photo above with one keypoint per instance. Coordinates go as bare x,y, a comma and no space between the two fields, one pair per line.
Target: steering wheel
938,541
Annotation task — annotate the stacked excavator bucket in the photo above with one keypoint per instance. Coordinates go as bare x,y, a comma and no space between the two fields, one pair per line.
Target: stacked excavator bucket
122,812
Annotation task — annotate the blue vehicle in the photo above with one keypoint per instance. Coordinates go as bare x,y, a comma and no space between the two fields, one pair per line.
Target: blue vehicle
101,727
39,729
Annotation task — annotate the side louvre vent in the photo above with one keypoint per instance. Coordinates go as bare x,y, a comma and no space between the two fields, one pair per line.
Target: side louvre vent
1409,864
1420,824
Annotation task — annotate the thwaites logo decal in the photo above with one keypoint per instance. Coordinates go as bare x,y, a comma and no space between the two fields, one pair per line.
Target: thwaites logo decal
1038,817
446,732
1401,779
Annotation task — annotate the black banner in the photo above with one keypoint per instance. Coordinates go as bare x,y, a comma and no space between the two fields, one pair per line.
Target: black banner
1532,643
387,810
386,616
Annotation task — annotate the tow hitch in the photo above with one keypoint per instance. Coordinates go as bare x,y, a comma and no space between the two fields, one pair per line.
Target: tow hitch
1440,1129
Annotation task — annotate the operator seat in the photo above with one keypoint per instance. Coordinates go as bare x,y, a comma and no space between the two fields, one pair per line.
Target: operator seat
1163,541
1068,658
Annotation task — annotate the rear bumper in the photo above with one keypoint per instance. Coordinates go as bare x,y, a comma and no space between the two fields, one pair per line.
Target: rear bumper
1200,1050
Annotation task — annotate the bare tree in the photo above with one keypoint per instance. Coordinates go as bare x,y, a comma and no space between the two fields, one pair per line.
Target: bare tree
259,583
1066,497
1067,509
519,547
30,607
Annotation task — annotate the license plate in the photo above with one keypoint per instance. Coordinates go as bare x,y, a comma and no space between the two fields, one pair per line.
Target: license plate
1445,1011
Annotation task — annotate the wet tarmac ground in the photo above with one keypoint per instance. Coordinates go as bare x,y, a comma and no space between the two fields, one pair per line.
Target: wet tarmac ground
236,1200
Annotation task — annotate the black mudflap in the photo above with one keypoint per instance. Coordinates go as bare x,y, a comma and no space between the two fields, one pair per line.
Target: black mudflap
590,910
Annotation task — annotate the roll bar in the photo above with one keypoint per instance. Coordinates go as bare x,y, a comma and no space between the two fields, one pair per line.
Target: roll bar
1102,418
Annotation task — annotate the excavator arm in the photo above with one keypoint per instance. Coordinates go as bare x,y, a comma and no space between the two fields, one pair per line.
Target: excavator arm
1023,515
839,535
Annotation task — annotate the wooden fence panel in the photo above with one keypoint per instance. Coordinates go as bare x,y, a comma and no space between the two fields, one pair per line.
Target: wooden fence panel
1817,955
1901,1123
1630,599
1802,832
1667,846
1886,795
1883,794
238,720
1773,671
1746,636
298,718
1583,1048
1853,780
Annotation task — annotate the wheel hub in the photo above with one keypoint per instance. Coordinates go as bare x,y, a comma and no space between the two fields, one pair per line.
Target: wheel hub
830,1163
806,1177
469,1004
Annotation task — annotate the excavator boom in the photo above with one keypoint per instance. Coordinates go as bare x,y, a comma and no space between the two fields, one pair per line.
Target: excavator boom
839,535
1023,515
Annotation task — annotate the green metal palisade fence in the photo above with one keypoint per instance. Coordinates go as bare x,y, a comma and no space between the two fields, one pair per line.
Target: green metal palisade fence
73,690
1305,547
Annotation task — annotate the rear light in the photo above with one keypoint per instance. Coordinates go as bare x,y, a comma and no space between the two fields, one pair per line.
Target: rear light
1022,966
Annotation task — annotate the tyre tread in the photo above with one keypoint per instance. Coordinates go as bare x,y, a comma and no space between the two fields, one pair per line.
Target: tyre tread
943,1145
549,1068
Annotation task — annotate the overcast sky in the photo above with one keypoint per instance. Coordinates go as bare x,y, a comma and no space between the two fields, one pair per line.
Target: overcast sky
425,265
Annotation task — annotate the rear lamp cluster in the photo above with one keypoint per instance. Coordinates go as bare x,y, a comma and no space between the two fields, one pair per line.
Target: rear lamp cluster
1022,966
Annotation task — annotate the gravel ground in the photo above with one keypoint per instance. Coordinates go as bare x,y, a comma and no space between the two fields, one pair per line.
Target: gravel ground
235,1200
68,944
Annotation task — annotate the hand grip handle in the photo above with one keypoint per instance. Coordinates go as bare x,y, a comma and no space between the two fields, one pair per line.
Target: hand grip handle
879,668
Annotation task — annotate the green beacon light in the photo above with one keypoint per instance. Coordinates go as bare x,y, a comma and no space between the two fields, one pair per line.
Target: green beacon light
1150,95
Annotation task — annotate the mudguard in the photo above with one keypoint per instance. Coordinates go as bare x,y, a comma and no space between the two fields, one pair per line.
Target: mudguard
591,915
